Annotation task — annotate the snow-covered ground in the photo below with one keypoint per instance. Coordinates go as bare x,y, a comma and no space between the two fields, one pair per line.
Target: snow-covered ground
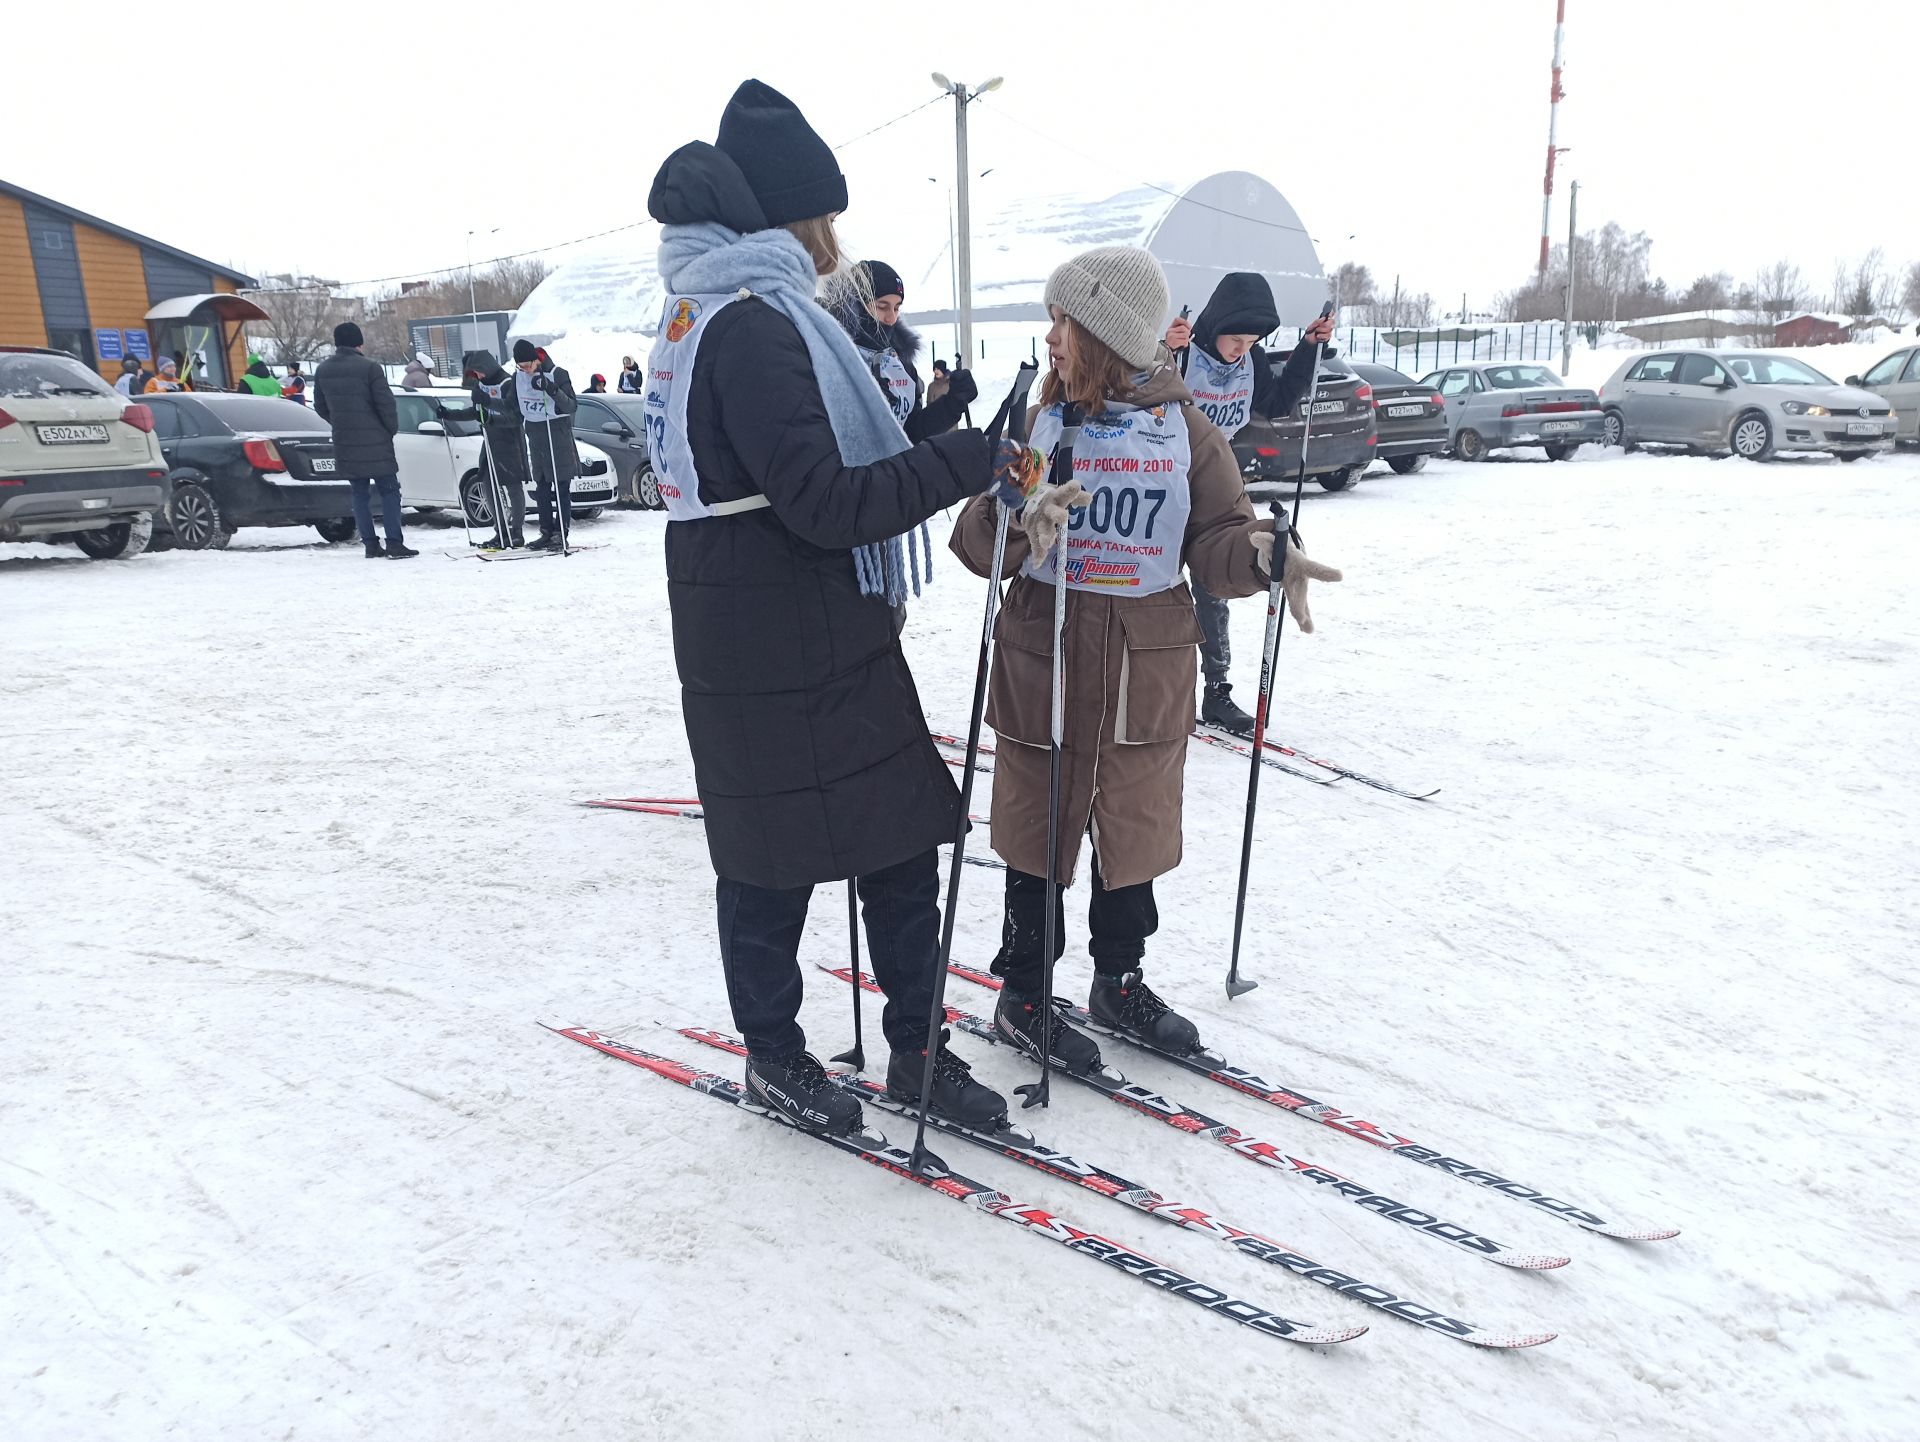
293,864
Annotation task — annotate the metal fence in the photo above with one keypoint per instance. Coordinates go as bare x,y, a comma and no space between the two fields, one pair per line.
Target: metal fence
1425,348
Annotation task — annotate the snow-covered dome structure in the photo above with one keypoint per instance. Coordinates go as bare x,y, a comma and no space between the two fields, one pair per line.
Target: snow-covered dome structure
606,302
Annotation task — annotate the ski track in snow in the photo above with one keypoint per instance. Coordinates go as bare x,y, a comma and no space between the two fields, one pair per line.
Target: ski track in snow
294,867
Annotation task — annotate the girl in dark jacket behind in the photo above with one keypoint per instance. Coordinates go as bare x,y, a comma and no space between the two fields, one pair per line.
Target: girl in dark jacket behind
788,488
866,300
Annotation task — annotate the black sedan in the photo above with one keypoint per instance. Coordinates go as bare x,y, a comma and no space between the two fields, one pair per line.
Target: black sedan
1340,446
618,425
244,460
1412,417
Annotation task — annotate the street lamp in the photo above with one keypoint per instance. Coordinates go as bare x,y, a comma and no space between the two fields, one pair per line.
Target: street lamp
962,98
473,339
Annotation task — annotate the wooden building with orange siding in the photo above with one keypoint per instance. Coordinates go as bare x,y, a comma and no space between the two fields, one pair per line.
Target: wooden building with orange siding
81,284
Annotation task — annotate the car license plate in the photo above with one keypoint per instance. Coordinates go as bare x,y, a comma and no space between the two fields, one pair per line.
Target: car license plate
1405,410
1325,408
1562,425
323,465
1863,428
585,483
72,435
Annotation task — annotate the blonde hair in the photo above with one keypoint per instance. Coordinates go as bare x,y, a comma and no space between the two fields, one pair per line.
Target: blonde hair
817,235
1099,374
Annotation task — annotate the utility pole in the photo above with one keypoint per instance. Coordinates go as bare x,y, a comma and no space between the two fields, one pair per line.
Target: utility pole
1395,321
962,98
1553,131
473,305
1573,265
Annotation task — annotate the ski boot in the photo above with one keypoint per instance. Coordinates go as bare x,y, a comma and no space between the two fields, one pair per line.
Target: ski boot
956,1095
797,1092
399,551
1017,1020
1218,711
1128,1004
549,541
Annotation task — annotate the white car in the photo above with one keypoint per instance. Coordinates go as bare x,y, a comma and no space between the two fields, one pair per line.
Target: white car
438,447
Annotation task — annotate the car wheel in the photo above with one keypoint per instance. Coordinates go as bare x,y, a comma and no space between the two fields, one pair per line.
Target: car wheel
1853,455
1752,437
193,515
1336,480
1614,432
335,531
587,513
1407,465
120,542
648,485
476,501
1469,446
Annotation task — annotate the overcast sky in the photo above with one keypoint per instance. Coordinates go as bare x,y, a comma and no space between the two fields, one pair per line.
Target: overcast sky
365,140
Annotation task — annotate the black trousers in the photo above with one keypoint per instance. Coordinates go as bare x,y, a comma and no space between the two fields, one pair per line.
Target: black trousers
760,948
1119,921
542,456
503,474
1216,643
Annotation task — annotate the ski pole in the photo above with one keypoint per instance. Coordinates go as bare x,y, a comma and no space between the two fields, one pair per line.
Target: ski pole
1269,658
1040,1093
856,1055
1013,413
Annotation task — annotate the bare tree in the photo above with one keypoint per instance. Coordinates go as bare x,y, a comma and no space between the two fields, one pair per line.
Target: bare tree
500,286
1778,292
1910,291
301,314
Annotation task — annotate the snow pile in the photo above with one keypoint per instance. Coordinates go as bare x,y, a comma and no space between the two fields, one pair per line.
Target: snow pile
285,1154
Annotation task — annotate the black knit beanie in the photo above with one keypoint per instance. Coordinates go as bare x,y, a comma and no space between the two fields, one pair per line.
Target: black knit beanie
348,334
525,350
884,279
790,168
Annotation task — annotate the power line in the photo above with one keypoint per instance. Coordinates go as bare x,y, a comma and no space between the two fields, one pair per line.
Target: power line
542,250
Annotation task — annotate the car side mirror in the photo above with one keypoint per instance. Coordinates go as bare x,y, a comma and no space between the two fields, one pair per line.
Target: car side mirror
431,428
613,428
1853,380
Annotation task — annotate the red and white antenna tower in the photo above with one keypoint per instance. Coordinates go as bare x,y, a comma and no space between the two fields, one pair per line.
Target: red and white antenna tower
1553,131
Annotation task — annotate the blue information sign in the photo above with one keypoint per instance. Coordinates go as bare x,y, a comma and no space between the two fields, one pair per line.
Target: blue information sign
137,346
107,343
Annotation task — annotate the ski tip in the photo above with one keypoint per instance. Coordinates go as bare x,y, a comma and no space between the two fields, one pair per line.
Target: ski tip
1637,1234
1325,1336
1530,1261
1510,1341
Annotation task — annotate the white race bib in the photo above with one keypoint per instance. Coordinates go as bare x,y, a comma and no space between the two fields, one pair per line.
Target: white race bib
1135,464
668,380
896,378
1224,393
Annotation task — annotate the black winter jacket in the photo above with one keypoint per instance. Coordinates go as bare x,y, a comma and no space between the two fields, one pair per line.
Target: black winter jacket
351,394
928,418
810,748
506,446
1242,304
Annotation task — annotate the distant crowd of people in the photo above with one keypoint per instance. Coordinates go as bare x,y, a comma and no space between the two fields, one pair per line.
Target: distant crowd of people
174,374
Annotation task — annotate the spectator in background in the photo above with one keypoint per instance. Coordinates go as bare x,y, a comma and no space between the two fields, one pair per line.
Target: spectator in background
257,379
295,386
597,386
419,372
351,394
937,387
168,379
629,377
130,381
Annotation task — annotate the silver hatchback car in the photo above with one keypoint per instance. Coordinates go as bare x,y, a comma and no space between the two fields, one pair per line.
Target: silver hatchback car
1897,380
1745,403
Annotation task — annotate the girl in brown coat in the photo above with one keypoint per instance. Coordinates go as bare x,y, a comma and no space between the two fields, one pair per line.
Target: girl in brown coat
1154,486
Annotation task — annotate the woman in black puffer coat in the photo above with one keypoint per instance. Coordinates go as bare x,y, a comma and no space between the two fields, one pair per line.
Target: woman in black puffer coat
810,748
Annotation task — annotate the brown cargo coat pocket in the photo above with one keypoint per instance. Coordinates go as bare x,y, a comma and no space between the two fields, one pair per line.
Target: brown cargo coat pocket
1020,694
1158,668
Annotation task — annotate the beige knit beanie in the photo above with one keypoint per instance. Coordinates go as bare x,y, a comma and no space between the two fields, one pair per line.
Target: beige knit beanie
1119,293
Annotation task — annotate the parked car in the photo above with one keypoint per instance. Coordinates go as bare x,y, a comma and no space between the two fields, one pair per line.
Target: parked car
1411,418
438,447
78,461
1497,405
1340,446
1753,404
243,460
1897,380
618,423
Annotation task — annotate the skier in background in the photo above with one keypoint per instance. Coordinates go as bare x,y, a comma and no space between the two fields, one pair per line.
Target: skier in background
504,462
544,394
129,382
866,300
596,385
1230,377
168,379
788,487
1166,488
294,388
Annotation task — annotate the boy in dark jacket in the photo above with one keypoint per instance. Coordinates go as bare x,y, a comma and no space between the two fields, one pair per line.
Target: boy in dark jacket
504,463
1230,377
